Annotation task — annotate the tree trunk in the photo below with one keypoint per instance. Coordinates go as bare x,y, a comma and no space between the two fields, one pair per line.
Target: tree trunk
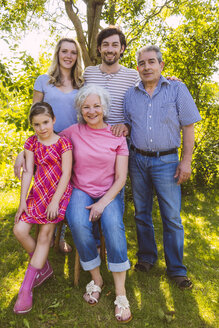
88,47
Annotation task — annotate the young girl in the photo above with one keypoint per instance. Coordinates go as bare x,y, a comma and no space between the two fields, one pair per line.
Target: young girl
47,200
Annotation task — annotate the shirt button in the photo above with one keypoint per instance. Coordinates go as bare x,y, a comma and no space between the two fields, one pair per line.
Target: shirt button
150,128
149,116
149,105
151,140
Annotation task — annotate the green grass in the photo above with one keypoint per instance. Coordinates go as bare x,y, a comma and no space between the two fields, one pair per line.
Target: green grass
155,302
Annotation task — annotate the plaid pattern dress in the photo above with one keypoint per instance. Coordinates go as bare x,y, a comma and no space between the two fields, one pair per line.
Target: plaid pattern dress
48,163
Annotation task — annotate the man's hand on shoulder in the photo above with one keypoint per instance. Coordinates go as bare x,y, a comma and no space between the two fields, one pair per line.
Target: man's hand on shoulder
120,129
173,78
183,171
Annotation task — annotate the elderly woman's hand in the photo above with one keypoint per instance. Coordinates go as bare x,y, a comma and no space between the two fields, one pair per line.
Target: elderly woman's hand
19,163
96,210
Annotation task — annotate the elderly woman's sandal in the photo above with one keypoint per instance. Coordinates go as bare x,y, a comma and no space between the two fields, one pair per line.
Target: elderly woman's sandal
122,303
90,289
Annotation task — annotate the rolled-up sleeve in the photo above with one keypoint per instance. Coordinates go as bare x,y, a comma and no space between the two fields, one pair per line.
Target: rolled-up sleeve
187,109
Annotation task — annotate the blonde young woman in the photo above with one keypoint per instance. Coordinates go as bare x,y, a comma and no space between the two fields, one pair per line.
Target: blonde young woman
59,88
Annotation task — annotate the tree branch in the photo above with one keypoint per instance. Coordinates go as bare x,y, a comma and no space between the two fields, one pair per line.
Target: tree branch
157,10
94,10
79,30
95,30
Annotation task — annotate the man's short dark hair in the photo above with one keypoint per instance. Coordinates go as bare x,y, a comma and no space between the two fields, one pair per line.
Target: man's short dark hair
108,31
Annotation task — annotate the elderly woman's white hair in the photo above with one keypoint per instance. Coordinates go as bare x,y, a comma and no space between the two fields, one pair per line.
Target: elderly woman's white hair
92,89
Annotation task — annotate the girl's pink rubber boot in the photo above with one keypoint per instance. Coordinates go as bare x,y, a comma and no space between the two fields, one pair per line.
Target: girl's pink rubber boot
43,273
25,295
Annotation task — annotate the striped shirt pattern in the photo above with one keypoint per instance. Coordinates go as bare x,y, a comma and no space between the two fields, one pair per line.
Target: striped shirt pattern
117,84
156,121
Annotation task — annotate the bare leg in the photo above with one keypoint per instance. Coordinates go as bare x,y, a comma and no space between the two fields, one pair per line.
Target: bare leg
98,280
119,281
22,233
43,244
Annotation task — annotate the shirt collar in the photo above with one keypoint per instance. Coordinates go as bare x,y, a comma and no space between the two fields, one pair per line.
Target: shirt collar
162,80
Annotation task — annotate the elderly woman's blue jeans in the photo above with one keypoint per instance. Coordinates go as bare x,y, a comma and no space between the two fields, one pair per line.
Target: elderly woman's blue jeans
95,224
147,173
113,230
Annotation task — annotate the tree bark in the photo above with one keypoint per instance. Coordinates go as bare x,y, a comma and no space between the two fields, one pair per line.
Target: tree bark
79,31
94,10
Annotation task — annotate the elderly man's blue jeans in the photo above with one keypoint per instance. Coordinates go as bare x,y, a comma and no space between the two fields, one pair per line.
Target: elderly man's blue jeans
148,173
113,230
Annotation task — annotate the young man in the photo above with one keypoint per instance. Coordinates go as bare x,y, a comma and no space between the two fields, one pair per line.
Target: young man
114,77
156,111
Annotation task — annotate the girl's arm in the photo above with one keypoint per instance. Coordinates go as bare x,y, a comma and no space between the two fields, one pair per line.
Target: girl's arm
53,208
25,183
121,169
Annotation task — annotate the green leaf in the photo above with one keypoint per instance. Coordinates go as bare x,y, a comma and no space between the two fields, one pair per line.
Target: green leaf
26,323
54,305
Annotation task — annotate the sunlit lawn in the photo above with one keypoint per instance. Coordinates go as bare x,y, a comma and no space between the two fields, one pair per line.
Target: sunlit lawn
155,302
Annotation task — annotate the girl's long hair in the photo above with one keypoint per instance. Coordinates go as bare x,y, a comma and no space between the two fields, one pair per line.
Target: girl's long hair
76,71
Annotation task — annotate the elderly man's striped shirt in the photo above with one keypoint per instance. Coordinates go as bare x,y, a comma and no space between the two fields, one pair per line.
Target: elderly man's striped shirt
156,121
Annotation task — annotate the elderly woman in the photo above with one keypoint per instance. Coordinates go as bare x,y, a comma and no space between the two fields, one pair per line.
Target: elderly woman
99,173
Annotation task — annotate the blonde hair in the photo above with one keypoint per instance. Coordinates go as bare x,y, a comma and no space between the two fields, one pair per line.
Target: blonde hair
76,71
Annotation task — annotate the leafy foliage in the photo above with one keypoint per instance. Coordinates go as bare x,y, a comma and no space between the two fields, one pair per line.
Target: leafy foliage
191,52
11,143
17,14
16,91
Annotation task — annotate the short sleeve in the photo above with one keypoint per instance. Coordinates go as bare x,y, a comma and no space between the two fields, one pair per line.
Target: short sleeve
39,84
188,112
30,143
65,144
68,133
122,149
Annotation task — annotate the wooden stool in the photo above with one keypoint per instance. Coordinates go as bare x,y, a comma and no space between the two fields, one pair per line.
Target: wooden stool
77,258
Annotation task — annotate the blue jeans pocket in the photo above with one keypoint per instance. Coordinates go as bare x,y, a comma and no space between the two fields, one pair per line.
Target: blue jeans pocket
171,158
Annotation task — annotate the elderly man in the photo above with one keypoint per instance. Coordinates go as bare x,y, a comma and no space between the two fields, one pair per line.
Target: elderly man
157,110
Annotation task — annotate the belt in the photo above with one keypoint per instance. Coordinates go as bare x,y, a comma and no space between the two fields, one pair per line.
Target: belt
154,153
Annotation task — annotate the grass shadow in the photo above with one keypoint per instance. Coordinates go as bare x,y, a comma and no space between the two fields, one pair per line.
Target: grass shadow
171,305
154,300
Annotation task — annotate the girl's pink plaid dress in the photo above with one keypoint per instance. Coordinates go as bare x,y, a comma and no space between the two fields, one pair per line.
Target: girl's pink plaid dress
48,163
